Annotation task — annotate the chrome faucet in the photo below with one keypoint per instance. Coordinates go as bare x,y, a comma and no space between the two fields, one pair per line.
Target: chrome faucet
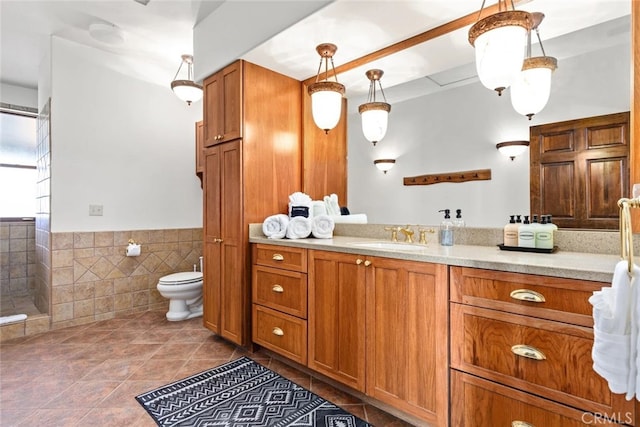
408,233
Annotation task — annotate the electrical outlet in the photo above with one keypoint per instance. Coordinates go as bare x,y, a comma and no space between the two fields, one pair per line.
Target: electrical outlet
95,210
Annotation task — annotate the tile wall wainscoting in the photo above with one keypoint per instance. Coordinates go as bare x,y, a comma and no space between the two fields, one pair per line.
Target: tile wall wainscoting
92,279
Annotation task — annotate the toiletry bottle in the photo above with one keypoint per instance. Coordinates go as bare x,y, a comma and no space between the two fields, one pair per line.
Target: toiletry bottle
446,229
458,221
526,237
544,235
511,232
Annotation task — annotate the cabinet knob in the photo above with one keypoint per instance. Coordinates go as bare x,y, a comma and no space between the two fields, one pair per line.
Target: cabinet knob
358,261
277,288
518,423
219,137
367,263
277,331
528,352
216,240
527,295
277,257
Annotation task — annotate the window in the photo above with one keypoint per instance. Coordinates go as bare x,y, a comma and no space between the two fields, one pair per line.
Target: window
18,174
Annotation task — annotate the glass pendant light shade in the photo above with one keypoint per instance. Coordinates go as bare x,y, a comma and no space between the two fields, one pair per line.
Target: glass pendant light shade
374,114
375,118
530,92
326,104
326,96
499,41
187,90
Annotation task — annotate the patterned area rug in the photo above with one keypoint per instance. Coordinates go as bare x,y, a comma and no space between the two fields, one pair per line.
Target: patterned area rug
242,393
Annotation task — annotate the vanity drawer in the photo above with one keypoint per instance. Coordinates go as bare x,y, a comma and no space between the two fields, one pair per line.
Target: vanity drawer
281,333
552,298
485,343
294,259
480,403
281,290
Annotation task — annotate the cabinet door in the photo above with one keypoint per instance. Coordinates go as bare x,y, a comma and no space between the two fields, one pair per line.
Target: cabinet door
211,232
407,343
337,316
223,105
232,272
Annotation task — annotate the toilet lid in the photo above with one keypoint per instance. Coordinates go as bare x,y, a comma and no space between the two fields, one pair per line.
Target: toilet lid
181,278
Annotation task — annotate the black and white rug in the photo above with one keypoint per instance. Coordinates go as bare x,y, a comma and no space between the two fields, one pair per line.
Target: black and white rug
242,393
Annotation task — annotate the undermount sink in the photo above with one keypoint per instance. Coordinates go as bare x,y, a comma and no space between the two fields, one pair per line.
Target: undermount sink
393,246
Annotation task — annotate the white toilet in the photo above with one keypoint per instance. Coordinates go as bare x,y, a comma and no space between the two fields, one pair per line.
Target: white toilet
184,292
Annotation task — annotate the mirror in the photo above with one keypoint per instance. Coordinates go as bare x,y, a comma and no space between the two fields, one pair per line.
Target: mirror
449,122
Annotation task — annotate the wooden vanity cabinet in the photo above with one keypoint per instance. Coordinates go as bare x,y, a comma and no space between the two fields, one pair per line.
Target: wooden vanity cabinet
200,149
247,177
532,335
337,316
279,295
223,102
379,325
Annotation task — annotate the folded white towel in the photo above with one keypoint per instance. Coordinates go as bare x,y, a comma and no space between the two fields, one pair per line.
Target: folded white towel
350,219
318,208
299,228
615,338
299,205
322,227
275,226
332,205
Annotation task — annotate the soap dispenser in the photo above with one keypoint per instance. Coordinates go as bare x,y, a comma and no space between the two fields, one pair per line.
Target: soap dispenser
511,232
446,229
526,236
458,221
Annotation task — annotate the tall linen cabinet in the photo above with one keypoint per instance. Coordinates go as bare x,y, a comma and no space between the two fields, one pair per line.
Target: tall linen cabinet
248,175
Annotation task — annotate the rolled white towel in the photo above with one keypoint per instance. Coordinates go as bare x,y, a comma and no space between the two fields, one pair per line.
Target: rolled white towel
322,227
275,226
332,205
299,228
318,208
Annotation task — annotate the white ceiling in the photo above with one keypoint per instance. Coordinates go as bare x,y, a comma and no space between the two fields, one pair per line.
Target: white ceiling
157,34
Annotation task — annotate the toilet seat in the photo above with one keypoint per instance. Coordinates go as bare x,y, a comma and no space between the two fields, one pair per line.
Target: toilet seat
183,278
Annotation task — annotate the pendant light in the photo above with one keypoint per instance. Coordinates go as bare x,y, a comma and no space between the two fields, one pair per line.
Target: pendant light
530,91
326,96
499,41
187,90
375,115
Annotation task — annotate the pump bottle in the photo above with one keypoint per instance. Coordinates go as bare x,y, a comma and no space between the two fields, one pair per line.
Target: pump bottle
511,232
526,236
544,235
446,229
458,221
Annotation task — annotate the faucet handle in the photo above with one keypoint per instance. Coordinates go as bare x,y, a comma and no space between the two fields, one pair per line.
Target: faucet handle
394,233
423,234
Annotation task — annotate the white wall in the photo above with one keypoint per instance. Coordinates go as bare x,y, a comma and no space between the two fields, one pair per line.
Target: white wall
119,142
18,95
457,130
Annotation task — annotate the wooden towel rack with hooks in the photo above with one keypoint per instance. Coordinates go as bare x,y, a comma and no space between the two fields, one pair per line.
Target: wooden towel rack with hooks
626,232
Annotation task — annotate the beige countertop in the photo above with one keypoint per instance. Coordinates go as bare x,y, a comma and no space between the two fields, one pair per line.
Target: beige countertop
576,265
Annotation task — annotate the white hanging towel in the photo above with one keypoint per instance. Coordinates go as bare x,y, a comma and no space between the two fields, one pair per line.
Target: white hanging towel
615,347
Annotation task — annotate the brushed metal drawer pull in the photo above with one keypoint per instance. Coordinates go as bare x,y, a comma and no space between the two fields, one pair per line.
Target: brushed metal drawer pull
277,257
367,263
277,288
358,261
521,424
277,331
528,352
527,295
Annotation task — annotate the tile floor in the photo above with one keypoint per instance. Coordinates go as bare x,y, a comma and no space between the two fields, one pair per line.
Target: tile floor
90,374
